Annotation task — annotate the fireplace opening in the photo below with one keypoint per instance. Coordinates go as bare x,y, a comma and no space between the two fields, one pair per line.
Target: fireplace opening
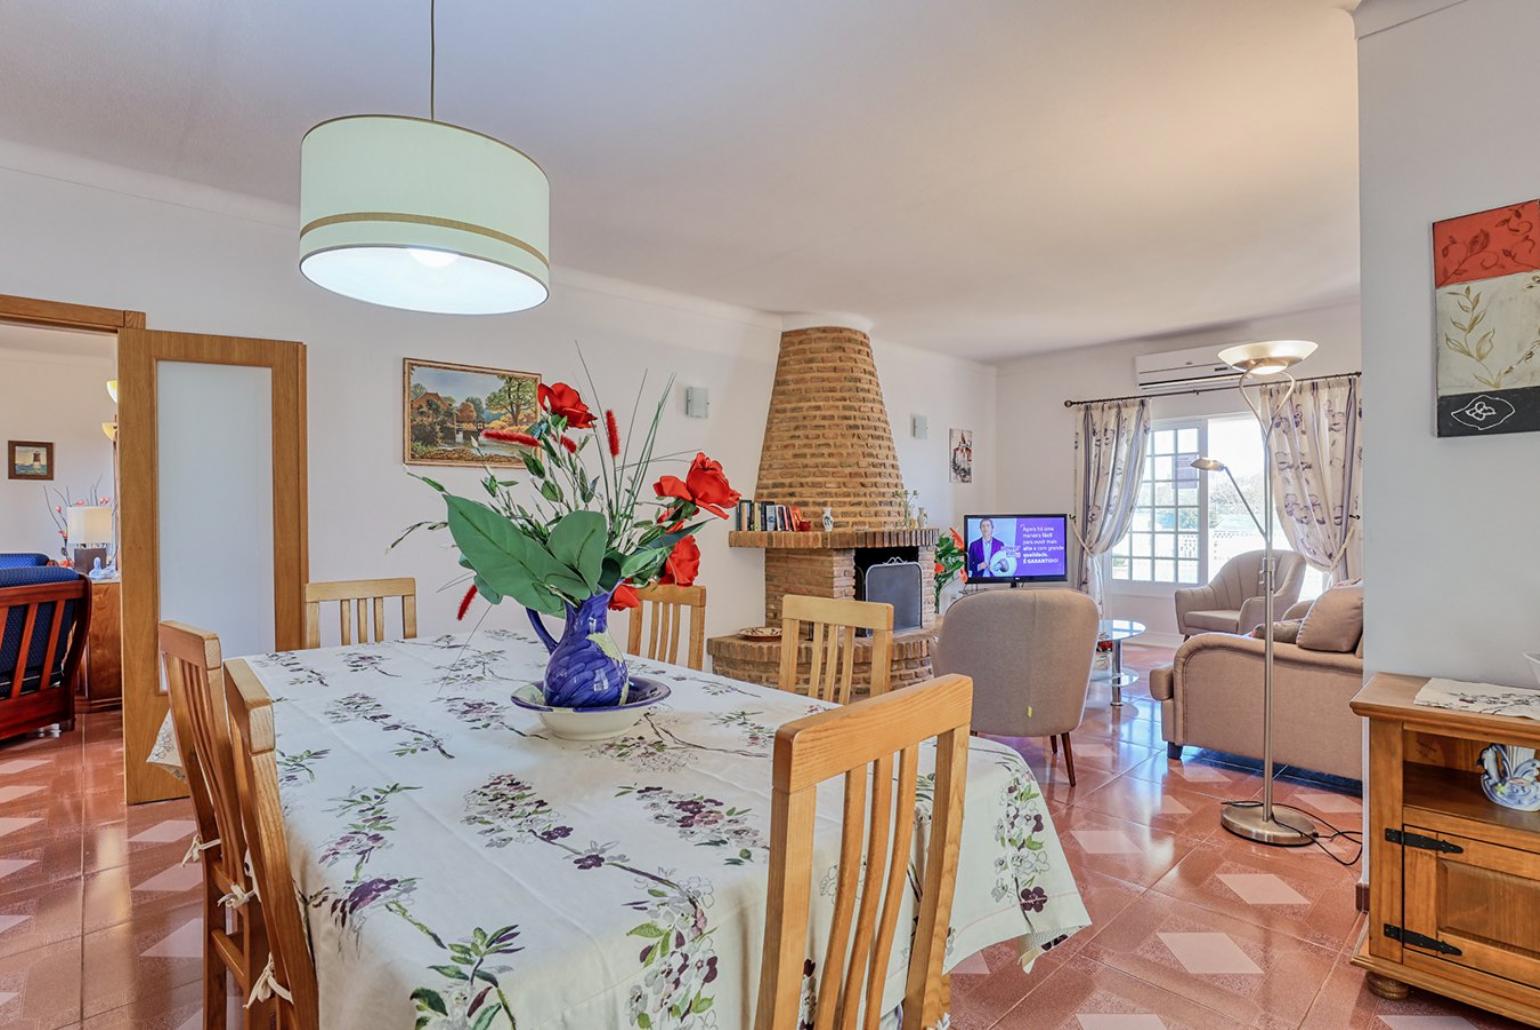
891,575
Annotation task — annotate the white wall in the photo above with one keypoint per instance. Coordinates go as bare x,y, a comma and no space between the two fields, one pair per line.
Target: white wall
53,388
199,260
1453,578
1035,433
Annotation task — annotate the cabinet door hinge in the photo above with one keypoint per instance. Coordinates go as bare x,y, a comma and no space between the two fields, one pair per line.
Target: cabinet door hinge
1416,840
1417,940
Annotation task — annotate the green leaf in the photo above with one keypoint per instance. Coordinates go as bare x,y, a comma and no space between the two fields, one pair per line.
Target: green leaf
452,972
485,1017
435,484
702,1003
578,542
506,560
550,491
646,930
644,563
603,642
430,999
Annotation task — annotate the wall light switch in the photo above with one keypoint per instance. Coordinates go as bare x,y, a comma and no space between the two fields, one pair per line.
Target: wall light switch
919,426
696,401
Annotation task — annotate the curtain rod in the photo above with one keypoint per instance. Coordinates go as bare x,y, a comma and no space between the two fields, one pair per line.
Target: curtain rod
1200,389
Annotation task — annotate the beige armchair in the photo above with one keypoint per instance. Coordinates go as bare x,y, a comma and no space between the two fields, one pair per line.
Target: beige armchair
1233,602
1029,653
1211,696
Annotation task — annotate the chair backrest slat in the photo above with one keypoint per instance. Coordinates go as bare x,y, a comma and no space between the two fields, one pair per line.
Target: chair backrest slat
665,606
859,742
254,744
201,721
833,625
358,600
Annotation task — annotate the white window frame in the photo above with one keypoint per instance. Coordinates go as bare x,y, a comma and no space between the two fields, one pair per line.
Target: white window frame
1158,587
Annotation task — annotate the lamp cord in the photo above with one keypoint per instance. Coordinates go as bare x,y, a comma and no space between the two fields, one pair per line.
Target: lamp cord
1320,840
432,60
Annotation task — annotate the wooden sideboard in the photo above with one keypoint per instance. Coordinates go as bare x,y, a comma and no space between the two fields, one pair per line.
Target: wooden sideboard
1454,879
101,667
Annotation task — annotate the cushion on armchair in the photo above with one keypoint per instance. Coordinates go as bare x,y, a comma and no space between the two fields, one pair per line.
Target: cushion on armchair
22,560
1217,621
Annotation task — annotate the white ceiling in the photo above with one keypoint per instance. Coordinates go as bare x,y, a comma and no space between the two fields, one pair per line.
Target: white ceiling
985,177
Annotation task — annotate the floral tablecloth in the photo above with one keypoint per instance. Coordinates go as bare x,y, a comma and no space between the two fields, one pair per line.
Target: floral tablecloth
463,869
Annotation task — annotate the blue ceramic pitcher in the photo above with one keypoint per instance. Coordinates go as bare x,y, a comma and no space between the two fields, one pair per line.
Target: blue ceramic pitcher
586,669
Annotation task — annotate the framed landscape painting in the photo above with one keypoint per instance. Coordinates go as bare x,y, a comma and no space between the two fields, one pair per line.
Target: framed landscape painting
446,408
29,459
1486,288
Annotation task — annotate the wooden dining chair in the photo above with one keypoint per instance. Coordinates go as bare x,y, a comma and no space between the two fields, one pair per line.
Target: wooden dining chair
288,981
859,741
834,624
667,604
235,940
357,599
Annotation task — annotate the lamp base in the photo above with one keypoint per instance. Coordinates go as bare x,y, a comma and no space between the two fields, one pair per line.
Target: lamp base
1288,828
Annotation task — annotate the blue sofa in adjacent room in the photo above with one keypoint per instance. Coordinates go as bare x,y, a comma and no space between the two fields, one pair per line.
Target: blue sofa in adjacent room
45,613
22,560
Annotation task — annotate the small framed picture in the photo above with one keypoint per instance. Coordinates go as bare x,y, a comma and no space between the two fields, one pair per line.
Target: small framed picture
29,459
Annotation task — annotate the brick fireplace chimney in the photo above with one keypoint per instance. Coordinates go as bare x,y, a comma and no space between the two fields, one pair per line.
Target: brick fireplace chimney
827,436
828,442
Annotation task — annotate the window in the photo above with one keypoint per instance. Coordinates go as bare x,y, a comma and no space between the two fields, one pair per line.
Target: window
1187,524
1165,540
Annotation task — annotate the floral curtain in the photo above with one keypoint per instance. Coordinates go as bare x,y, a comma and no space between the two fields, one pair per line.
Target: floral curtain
1318,470
1109,462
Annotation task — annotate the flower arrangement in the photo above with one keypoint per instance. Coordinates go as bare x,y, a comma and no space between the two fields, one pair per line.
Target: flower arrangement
951,561
586,538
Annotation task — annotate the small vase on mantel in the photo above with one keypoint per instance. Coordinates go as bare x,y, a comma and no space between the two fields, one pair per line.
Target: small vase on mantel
828,519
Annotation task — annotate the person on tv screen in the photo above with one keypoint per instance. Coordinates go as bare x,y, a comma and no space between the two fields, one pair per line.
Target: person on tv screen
980,551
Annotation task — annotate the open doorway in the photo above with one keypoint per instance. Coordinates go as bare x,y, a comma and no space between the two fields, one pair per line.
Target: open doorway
59,496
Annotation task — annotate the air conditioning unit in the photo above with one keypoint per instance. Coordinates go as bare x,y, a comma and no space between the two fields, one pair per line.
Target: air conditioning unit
1178,370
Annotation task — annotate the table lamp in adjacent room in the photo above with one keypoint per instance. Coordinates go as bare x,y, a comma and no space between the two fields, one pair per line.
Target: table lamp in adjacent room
90,532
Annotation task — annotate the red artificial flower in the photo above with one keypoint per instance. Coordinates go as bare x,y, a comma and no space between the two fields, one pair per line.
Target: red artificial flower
704,486
465,602
613,432
561,399
510,436
568,443
624,597
683,563
957,540
940,569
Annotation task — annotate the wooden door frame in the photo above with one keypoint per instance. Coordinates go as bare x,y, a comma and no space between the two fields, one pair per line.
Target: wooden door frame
139,353
63,315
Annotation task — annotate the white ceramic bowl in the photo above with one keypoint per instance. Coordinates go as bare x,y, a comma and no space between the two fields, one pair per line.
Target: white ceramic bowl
600,723
1534,663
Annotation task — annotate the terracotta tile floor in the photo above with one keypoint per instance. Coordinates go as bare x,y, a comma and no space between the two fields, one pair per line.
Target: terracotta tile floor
1191,926
100,925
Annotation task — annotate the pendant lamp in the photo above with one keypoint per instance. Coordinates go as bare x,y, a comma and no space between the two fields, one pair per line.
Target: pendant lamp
420,214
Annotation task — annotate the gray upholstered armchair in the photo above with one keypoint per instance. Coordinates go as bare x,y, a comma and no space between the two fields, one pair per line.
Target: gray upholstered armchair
1232,602
1029,653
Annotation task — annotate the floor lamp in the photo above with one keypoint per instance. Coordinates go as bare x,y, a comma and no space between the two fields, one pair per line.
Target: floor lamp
1265,823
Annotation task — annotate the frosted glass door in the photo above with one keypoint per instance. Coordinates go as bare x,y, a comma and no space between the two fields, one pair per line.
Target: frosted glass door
214,468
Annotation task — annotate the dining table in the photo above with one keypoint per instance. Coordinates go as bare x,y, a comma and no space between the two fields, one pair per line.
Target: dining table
461,867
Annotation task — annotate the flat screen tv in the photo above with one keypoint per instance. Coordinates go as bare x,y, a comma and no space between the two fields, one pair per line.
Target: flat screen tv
1017,548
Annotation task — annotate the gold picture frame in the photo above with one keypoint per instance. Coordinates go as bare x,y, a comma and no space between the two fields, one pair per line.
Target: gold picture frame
445,407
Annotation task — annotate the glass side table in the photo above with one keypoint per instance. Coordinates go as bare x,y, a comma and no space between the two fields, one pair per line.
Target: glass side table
1117,631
